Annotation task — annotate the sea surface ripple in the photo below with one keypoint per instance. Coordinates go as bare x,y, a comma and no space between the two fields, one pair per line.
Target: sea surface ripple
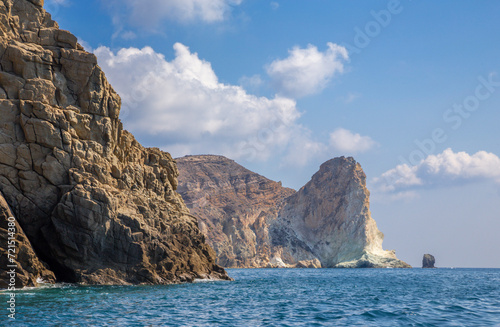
276,297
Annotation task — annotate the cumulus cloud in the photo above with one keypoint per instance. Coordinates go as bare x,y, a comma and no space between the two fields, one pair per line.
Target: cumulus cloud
347,142
441,169
180,106
306,71
150,13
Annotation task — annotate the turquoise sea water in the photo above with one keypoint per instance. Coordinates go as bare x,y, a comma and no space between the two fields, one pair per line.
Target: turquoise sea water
277,297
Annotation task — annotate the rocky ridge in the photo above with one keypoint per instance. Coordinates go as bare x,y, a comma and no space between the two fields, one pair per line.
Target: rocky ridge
254,222
95,206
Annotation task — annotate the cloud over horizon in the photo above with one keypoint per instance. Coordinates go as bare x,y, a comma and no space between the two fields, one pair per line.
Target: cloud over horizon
306,71
442,169
181,107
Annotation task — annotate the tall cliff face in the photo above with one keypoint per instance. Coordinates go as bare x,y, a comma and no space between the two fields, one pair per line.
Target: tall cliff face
254,222
96,206
330,216
235,207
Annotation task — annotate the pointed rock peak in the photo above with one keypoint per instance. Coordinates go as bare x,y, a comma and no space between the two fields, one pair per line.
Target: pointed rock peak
331,217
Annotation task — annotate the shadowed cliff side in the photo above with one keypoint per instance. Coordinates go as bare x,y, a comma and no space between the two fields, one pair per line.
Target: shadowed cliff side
235,207
29,271
96,206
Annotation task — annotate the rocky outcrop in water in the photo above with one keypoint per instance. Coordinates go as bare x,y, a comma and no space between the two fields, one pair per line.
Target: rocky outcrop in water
96,206
254,222
330,217
428,261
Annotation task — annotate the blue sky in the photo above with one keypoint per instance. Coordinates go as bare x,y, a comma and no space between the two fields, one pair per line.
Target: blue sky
411,89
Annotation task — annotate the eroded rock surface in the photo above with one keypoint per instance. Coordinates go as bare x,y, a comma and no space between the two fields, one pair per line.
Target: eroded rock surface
96,206
254,222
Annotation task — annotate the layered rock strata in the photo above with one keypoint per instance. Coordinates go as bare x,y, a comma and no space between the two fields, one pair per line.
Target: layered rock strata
235,208
254,222
96,206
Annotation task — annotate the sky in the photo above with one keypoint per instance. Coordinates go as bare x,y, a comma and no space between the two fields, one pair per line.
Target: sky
410,89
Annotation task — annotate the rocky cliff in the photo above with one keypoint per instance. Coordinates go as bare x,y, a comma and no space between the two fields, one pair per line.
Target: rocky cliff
235,207
96,206
330,217
254,222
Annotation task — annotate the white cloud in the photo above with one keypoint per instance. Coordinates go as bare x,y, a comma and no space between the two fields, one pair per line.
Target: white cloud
251,83
441,169
149,14
306,149
347,142
181,106
307,71
275,5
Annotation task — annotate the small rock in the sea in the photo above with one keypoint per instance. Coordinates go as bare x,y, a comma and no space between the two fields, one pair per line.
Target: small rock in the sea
428,261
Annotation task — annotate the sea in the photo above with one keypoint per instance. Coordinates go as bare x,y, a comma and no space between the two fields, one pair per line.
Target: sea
275,297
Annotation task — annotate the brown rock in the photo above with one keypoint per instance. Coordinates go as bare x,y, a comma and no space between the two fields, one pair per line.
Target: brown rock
234,207
96,206
254,222
308,264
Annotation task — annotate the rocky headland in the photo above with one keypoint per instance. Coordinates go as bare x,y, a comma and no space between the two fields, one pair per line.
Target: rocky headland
235,208
252,221
91,204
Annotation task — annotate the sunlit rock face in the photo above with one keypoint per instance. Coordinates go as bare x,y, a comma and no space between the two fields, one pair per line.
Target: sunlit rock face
330,216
